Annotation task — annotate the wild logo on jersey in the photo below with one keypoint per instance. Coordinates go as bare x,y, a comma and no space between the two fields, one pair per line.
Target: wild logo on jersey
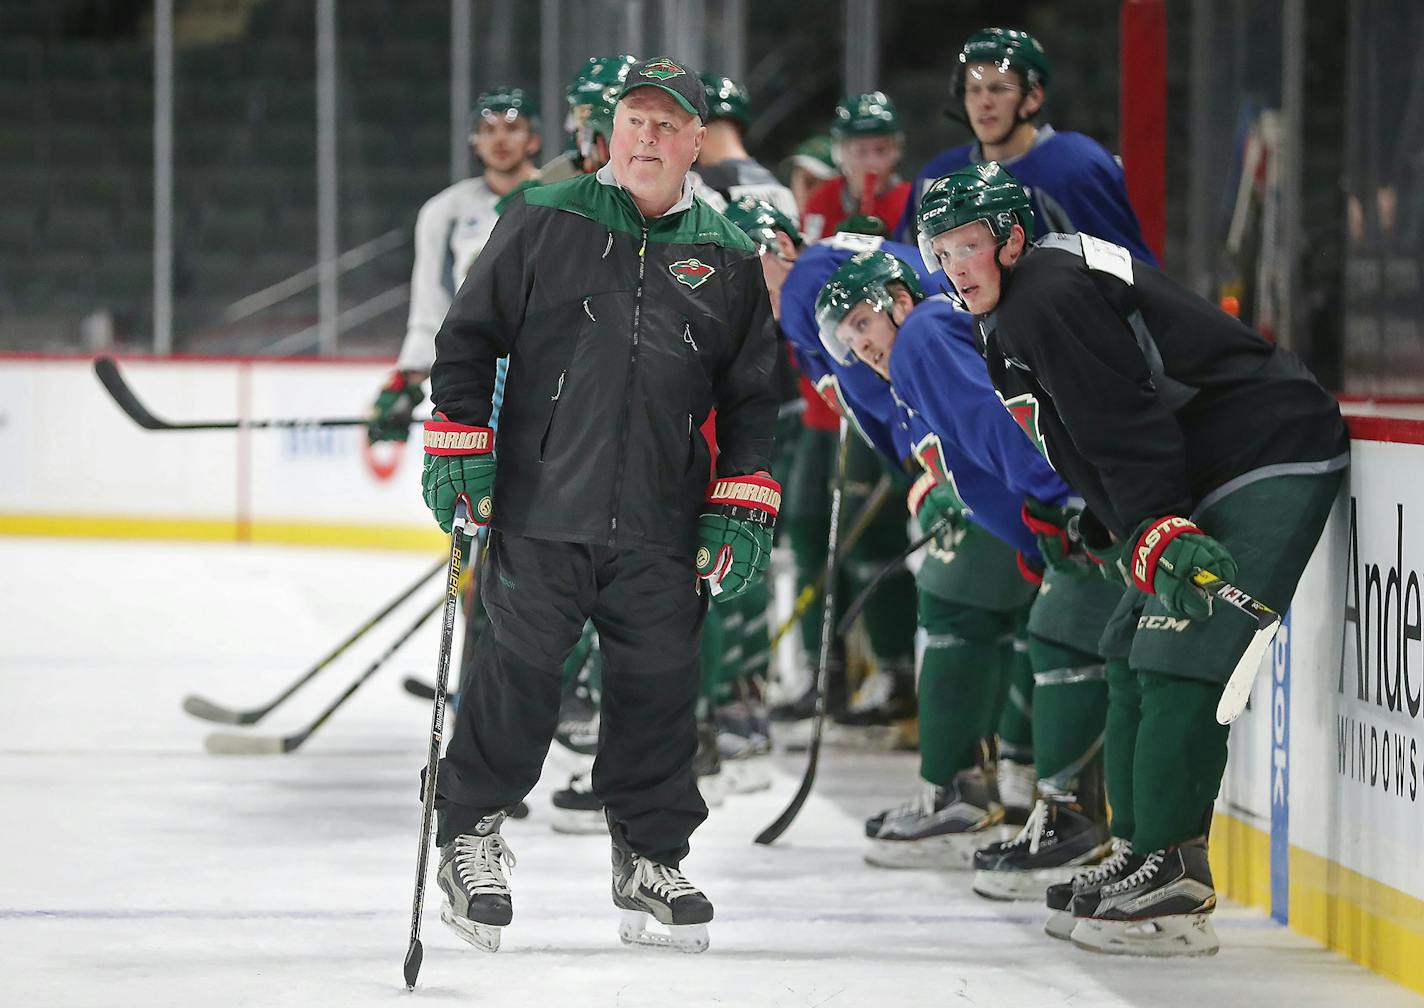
662,69
1024,409
929,452
692,272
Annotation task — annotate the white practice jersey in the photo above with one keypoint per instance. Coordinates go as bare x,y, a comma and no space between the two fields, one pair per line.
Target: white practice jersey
450,232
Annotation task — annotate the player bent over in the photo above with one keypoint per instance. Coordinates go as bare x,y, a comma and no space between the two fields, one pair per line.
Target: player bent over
1196,445
628,310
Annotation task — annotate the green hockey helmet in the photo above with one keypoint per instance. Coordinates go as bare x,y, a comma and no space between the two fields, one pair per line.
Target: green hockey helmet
1009,48
865,276
502,103
760,220
984,192
596,76
598,122
726,99
871,113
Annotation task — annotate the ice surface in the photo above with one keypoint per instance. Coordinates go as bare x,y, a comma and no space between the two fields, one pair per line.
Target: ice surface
135,870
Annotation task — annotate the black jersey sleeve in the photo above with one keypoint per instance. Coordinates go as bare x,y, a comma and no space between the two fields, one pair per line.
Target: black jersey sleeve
1086,357
746,396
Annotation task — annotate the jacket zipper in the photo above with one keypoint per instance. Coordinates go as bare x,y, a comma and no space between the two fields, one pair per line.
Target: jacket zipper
628,386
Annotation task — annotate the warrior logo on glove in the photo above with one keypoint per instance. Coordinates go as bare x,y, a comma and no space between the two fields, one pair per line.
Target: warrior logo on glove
735,533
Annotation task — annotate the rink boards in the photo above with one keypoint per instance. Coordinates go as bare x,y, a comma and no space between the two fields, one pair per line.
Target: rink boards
1321,816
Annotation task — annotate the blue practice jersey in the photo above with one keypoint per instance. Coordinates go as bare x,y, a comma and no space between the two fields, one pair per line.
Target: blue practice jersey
1076,185
958,427
862,390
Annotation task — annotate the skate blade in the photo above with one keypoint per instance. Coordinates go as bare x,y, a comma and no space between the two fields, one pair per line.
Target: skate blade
1022,885
951,853
484,937
576,823
689,938
1060,925
1158,937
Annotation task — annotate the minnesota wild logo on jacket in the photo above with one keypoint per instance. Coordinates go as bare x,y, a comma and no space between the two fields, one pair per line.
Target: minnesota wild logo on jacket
692,272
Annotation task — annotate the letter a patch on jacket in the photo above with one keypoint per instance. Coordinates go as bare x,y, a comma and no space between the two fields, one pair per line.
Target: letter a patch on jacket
691,272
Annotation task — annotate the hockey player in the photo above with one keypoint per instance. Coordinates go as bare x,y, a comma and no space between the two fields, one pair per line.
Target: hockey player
1197,445
450,230
628,309
810,164
873,307
868,144
601,76
724,164
998,90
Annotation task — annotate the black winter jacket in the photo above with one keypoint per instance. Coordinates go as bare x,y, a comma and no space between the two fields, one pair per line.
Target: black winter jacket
622,334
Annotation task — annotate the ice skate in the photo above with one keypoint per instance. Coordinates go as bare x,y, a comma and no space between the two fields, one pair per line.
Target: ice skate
1056,843
1162,909
577,732
646,892
941,827
1018,785
707,765
577,809
472,876
743,741
1059,896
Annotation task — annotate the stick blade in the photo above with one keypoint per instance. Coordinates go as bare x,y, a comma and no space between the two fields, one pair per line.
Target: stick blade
1238,688
200,707
413,957
232,744
107,371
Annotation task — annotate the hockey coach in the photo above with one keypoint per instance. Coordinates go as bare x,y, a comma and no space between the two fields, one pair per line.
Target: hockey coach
629,310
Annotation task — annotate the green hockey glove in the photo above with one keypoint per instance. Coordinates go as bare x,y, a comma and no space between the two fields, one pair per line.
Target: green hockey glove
1166,553
734,533
1049,524
390,414
929,500
1102,551
459,462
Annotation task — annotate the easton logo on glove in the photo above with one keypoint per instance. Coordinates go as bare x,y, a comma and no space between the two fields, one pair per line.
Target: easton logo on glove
1151,545
692,272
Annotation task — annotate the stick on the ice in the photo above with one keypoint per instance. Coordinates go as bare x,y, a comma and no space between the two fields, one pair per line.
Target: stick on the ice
207,710
234,744
414,953
808,595
1243,677
113,380
828,618
853,610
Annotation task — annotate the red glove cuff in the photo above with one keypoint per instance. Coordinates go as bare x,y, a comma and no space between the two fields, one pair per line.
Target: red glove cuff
1026,572
919,490
1152,543
1045,528
759,491
442,437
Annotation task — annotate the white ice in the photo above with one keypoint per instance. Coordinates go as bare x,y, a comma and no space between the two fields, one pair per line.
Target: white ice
135,870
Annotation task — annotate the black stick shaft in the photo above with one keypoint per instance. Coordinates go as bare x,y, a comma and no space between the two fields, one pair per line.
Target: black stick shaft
828,617
853,610
415,952
207,710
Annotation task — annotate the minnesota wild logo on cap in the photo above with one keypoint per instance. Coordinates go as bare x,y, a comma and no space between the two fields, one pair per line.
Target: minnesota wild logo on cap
691,272
662,69
1024,409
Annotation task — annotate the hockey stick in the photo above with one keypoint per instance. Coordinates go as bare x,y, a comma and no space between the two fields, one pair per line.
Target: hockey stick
867,514
828,617
232,744
853,610
1238,688
209,711
420,689
414,952
123,395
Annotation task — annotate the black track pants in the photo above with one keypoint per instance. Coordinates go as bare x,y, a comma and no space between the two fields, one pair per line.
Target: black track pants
648,614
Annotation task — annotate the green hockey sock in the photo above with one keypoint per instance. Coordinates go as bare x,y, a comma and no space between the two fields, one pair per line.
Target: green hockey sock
1014,705
1178,762
1070,694
958,683
1120,744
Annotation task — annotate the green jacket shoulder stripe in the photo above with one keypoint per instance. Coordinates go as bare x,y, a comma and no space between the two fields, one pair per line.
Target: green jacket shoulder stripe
587,197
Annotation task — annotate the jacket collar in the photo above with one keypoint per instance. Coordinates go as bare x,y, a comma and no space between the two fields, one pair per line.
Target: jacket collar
605,176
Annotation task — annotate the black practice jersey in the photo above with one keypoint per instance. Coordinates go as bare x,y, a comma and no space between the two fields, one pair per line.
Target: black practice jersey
1146,398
